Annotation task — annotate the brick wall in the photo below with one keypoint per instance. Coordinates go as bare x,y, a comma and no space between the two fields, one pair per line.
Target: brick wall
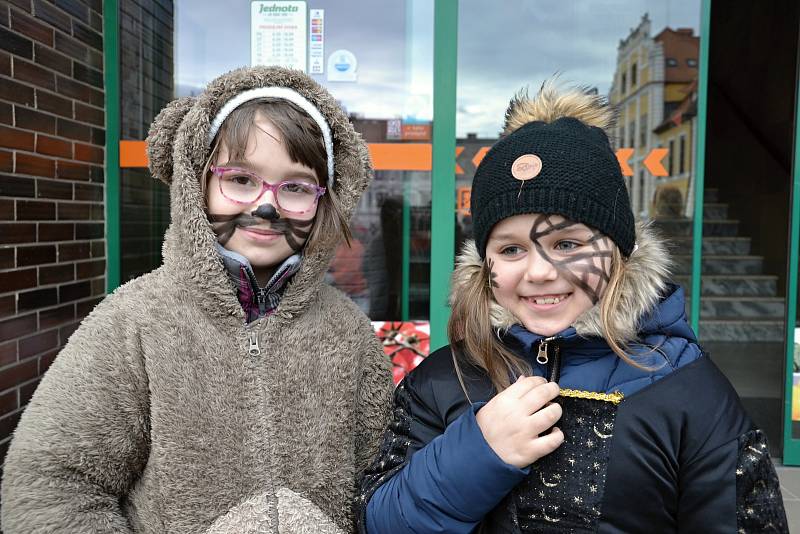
52,137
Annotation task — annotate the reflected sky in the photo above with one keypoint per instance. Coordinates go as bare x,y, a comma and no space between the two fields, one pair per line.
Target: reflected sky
502,46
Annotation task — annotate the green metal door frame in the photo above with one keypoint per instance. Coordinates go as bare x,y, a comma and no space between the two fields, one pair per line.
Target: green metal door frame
443,178
112,211
791,446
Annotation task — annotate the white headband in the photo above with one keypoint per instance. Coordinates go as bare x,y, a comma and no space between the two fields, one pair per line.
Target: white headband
286,94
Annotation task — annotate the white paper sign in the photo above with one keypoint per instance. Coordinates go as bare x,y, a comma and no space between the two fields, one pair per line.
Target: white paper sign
342,66
278,33
316,46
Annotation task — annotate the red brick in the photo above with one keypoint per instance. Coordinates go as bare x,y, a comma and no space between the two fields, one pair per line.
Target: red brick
33,210
56,231
7,212
36,255
5,64
25,71
26,391
89,114
89,230
97,174
6,161
36,344
98,248
55,274
6,113
7,258
56,316
17,374
8,306
74,211
98,287
8,353
16,280
87,75
53,189
9,423
90,269
89,153
51,14
47,359
4,19
8,402
96,21
16,43
23,4
75,8
73,251
17,233
29,164
31,27
66,331
33,120
14,138
87,35
47,57
71,47
74,130
86,306
37,299
96,5
12,91
89,192
17,327
16,186
76,291
98,136
53,103
53,146
69,170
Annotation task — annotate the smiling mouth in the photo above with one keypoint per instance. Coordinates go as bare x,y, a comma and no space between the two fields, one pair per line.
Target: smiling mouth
260,231
542,300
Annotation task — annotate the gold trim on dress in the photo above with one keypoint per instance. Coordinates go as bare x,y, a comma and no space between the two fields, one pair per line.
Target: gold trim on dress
615,397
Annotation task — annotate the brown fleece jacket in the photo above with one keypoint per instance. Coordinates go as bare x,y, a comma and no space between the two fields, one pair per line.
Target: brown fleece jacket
155,418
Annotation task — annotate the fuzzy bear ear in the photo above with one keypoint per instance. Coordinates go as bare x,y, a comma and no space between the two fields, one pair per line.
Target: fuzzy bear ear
161,137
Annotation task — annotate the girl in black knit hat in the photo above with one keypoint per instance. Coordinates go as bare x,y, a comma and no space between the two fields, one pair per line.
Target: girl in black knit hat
573,396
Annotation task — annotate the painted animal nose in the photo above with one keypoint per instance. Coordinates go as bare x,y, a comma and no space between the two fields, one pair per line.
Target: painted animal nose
266,211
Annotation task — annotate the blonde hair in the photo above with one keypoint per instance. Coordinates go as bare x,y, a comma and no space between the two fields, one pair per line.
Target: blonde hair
475,340
303,141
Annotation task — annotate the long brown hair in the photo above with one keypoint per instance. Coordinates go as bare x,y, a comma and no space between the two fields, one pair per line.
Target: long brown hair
302,139
476,340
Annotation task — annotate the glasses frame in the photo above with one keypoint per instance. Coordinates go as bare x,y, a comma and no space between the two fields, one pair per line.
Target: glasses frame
266,186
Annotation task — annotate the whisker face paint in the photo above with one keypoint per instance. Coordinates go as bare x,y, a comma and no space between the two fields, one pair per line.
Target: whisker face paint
296,231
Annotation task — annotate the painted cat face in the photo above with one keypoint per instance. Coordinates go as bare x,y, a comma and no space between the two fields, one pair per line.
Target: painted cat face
547,270
260,231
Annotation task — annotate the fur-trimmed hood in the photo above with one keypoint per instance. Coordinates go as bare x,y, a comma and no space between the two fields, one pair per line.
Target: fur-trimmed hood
646,278
178,149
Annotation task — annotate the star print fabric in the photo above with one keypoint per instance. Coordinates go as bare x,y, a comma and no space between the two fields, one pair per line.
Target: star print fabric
564,490
759,506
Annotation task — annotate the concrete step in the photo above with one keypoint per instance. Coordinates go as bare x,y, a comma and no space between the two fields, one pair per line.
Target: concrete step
713,211
712,245
720,264
742,330
684,227
737,308
752,285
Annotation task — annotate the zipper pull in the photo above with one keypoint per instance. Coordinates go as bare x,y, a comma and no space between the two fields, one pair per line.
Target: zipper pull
253,349
542,358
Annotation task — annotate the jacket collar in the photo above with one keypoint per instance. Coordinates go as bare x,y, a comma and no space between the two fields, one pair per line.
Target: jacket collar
257,301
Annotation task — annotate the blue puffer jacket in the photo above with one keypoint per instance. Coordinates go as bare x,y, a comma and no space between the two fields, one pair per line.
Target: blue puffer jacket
677,453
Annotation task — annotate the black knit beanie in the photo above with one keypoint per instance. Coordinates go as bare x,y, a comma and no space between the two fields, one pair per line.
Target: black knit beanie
563,167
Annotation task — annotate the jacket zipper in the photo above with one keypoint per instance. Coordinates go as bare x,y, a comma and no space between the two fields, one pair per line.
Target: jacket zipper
253,349
543,358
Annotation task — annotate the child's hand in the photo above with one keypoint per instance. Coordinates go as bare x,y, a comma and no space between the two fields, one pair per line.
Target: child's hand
512,421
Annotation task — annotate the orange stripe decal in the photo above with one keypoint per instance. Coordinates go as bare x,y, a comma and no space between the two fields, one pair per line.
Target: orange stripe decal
132,154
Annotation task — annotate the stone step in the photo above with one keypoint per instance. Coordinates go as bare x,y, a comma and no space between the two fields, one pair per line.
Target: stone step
753,285
720,264
713,211
712,245
736,308
741,330
684,227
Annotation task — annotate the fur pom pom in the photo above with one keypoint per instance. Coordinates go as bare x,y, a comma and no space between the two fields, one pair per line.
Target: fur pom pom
551,104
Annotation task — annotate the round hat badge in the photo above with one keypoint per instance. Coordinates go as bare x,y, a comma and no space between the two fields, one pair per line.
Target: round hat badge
526,167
